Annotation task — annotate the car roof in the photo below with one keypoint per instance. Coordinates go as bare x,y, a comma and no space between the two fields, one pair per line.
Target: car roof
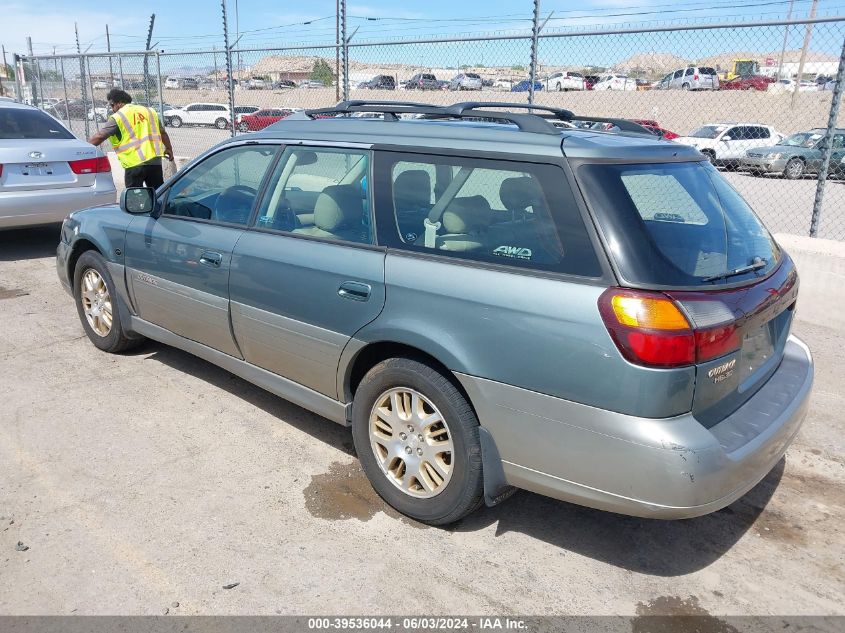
452,135
16,105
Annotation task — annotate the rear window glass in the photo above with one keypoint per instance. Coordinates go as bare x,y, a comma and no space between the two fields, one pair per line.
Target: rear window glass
677,224
25,123
706,70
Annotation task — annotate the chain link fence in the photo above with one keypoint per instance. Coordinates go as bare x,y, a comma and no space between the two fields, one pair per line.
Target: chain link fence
755,98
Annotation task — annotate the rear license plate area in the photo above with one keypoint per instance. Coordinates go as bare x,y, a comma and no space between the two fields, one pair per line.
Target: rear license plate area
757,349
36,169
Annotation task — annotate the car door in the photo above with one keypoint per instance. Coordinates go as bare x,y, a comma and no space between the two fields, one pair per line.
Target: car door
815,156
727,148
177,265
193,113
299,293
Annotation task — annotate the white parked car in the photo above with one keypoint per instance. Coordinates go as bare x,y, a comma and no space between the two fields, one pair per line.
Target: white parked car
503,84
101,85
256,83
99,112
726,143
216,114
171,82
566,81
615,82
788,85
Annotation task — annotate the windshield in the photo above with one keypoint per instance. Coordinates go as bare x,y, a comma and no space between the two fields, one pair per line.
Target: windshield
707,131
677,224
20,123
802,139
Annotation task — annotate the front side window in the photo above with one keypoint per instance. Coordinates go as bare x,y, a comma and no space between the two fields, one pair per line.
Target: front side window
679,73
223,187
499,212
319,192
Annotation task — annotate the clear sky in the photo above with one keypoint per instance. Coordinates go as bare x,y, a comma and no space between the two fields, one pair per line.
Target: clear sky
192,24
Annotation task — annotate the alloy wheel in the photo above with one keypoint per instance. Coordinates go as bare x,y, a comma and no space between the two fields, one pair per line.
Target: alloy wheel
411,442
96,302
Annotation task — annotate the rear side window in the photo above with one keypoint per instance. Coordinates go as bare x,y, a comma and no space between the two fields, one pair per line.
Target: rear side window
500,212
689,71
678,73
676,224
23,123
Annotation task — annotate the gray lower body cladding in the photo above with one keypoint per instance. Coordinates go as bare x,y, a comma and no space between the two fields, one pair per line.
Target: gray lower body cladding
668,468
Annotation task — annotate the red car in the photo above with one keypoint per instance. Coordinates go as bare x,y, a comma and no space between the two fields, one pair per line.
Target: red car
261,119
654,128
749,82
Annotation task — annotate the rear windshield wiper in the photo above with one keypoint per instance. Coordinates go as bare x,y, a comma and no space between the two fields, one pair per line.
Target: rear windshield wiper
755,265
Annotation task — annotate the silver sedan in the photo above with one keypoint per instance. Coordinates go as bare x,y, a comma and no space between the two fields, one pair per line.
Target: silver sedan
45,171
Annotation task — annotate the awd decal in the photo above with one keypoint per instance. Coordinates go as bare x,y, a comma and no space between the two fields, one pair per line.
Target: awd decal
518,252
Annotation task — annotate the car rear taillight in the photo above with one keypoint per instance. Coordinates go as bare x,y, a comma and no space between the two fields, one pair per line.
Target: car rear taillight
652,329
695,77
97,165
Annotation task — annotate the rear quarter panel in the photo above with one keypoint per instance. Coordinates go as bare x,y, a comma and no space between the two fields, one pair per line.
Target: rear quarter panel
539,333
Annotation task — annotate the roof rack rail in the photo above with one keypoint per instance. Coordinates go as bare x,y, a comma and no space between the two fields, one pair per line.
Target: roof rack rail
559,113
537,122
461,108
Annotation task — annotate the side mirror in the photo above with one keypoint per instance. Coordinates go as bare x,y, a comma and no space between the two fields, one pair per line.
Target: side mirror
727,138
137,200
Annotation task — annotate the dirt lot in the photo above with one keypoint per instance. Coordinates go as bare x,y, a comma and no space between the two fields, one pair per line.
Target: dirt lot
140,481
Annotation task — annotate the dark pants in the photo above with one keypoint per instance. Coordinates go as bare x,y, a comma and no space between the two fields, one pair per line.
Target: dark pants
144,175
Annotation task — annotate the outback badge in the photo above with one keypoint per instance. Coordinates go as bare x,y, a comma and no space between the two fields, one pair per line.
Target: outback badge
722,372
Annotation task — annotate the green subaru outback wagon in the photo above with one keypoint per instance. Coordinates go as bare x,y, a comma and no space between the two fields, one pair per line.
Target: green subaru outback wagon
490,299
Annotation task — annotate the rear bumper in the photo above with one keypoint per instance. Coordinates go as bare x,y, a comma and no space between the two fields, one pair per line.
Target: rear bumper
768,165
46,206
658,468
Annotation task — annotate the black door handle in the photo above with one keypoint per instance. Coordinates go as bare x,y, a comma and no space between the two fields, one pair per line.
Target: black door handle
354,290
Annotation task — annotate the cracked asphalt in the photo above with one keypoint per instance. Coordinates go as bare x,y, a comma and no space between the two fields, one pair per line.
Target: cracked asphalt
153,478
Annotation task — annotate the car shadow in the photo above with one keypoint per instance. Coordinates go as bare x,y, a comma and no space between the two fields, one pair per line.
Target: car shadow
32,243
649,546
314,425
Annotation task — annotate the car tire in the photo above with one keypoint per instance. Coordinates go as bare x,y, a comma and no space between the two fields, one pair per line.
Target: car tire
560,87
97,305
685,86
243,127
794,169
711,155
436,496
221,123
175,121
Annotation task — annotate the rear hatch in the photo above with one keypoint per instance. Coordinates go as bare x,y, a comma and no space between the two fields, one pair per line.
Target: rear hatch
702,282
707,77
38,153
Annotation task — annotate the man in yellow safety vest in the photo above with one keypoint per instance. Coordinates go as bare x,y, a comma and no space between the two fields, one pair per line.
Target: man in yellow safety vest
138,139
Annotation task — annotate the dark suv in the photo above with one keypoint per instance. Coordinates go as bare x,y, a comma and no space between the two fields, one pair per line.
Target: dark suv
423,81
381,82
489,300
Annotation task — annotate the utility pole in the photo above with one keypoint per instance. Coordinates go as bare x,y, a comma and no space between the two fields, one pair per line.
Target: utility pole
111,68
34,89
5,70
81,85
535,33
807,34
345,50
785,37
337,51
231,85
146,58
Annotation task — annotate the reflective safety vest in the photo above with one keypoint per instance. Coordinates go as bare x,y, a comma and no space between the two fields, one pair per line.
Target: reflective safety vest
140,135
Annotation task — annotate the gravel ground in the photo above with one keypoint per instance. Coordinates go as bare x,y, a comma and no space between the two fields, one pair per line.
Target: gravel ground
131,483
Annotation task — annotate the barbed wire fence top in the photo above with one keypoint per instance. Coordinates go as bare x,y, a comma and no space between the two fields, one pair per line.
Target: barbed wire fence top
757,98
